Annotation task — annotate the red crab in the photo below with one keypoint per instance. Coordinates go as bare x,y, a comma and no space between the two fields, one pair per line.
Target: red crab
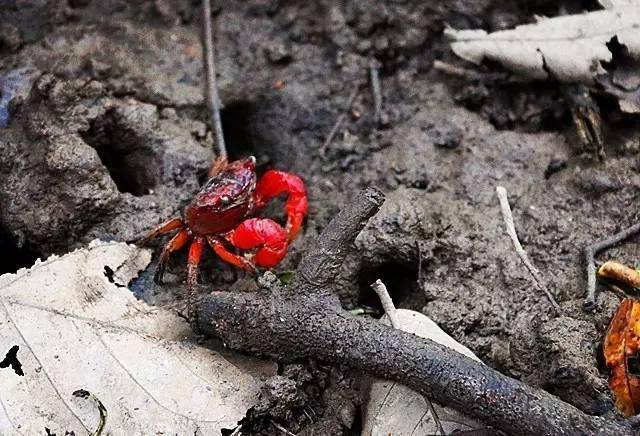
220,215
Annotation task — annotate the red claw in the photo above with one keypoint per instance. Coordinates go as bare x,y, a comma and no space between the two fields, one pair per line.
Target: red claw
275,183
263,234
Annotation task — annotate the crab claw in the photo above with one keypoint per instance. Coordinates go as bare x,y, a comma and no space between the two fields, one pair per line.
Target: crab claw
275,183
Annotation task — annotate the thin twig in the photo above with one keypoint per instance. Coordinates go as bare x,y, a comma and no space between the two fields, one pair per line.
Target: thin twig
387,304
511,231
389,308
376,89
82,393
213,100
237,431
590,254
282,429
454,70
340,120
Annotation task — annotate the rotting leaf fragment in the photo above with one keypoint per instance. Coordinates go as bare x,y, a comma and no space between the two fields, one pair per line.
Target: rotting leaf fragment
621,346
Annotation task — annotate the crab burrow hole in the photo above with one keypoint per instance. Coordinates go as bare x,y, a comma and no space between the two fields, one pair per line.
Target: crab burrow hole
401,281
128,155
262,127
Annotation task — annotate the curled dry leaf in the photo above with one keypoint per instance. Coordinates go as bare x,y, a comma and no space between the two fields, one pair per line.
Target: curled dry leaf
621,346
570,48
79,328
395,409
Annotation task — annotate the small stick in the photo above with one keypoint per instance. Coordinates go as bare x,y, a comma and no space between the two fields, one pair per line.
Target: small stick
236,432
282,429
377,91
340,120
213,100
454,70
590,254
390,310
81,393
511,231
387,304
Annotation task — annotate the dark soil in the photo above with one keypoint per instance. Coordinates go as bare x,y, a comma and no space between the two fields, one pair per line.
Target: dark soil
108,135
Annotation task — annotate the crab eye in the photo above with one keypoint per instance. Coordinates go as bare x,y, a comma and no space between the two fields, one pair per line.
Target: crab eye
252,159
224,200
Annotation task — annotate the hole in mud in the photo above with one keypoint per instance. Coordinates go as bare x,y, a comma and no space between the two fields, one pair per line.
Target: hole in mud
401,282
15,255
132,164
237,120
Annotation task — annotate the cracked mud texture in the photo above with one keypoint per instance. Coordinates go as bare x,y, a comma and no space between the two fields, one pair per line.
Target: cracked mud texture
108,135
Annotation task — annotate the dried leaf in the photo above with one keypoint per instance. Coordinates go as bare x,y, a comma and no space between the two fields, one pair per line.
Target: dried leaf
570,48
396,409
79,328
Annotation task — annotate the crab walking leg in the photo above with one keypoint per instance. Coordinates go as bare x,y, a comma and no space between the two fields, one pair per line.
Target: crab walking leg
175,244
263,234
229,257
166,227
274,183
195,253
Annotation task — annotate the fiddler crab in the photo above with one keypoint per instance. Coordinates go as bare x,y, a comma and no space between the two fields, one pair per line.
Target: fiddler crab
223,213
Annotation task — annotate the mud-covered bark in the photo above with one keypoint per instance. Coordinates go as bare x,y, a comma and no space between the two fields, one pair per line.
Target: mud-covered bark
293,323
322,262
299,326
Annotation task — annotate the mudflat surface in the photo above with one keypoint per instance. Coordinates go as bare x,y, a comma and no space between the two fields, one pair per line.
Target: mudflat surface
107,135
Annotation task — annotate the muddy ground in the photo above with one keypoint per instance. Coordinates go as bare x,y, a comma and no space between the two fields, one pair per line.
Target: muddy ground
107,135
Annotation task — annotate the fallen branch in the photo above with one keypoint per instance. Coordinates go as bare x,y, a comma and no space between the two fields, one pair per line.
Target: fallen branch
305,320
511,231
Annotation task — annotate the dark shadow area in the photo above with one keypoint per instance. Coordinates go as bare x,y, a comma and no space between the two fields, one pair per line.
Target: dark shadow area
15,255
401,283
237,119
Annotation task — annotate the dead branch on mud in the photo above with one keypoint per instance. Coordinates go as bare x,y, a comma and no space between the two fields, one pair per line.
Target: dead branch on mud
305,320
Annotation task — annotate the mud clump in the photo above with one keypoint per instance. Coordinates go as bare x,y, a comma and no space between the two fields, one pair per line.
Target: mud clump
74,159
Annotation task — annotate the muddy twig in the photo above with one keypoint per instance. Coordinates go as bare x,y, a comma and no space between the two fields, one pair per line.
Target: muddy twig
339,121
376,89
511,231
590,254
305,320
213,99
282,429
455,70
385,299
390,309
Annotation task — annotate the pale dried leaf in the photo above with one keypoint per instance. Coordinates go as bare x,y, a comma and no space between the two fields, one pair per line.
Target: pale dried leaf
77,330
571,48
395,409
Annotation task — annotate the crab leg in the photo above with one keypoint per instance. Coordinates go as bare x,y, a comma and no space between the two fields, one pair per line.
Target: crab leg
176,243
229,257
195,253
274,183
166,227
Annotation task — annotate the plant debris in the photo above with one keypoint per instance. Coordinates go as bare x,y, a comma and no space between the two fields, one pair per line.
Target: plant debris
571,48
621,346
